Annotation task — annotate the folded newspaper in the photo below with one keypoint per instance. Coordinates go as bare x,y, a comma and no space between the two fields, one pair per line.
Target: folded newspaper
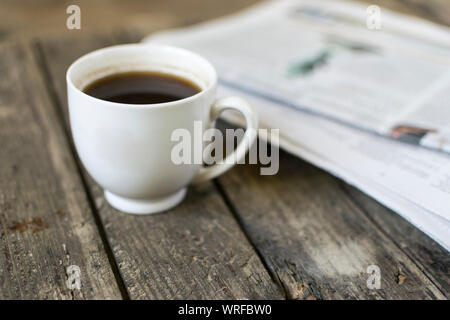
342,93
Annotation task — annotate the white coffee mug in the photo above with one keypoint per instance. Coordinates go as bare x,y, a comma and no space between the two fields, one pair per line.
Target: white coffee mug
127,148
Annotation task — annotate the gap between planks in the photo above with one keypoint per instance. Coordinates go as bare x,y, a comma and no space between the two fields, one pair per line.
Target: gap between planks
42,63
139,286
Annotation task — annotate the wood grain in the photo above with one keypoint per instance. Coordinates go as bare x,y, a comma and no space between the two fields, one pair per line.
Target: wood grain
428,255
31,18
315,234
34,18
46,224
315,240
195,251
424,254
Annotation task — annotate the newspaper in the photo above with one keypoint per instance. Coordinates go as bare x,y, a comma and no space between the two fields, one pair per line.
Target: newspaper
400,176
320,56
370,85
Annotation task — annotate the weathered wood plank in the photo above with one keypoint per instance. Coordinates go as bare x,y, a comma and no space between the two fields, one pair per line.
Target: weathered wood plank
421,279
421,9
432,259
49,17
195,251
429,256
31,18
315,240
46,223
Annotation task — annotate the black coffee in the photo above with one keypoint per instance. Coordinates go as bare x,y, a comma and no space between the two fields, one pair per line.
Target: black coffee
140,87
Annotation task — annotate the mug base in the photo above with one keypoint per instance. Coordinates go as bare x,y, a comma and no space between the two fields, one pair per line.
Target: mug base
141,207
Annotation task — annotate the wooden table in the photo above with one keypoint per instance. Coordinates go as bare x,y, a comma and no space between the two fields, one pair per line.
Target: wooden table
301,234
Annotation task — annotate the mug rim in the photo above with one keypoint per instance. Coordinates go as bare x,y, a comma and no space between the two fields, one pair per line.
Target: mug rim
94,53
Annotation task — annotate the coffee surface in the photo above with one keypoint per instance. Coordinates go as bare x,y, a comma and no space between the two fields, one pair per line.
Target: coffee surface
139,87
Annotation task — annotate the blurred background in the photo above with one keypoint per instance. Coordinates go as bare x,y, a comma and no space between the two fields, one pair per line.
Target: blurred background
44,17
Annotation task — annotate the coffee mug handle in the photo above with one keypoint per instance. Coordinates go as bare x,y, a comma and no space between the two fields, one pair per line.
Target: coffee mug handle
251,119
